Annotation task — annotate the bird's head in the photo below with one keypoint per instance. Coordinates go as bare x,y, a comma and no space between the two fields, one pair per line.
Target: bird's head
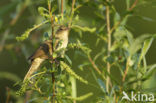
62,30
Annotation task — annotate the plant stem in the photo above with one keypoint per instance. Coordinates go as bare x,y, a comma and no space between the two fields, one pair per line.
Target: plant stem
109,45
128,60
62,8
52,20
126,70
52,75
53,91
74,91
95,67
124,77
134,5
8,94
72,13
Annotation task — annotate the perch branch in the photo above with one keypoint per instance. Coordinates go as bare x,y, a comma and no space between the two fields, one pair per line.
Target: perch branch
109,44
52,75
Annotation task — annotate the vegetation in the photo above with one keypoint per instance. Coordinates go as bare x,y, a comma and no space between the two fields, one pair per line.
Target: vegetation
115,59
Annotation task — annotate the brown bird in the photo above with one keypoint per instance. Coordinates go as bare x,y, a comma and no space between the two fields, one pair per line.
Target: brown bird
45,50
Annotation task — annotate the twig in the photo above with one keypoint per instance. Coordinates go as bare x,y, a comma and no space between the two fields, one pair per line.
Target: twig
73,3
8,94
123,79
52,20
128,60
72,13
53,83
126,70
52,75
109,45
95,67
134,5
117,24
62,8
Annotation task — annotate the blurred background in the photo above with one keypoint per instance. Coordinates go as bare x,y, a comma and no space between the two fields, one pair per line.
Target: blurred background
16,16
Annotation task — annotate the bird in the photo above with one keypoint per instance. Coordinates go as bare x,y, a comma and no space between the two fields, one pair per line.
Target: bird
45,50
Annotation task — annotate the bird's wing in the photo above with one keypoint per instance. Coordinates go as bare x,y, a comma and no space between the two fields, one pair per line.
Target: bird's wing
42,52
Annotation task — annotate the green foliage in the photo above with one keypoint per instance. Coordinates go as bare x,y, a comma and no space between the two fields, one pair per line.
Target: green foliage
145,48
84,28
27,32
69,70
42,11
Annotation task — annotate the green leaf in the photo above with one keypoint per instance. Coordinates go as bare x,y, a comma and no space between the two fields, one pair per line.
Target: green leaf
102,28
99,55
81,66
99,15
119,33
128,83
54,55
97,41
150,71
137,44
128,4
71,72
145,48
116,18
43,12
68,59
145,65
124,21
145,18
129,36
76,17
102,85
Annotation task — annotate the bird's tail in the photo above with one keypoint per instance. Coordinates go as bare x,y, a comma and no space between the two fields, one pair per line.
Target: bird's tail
34,66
